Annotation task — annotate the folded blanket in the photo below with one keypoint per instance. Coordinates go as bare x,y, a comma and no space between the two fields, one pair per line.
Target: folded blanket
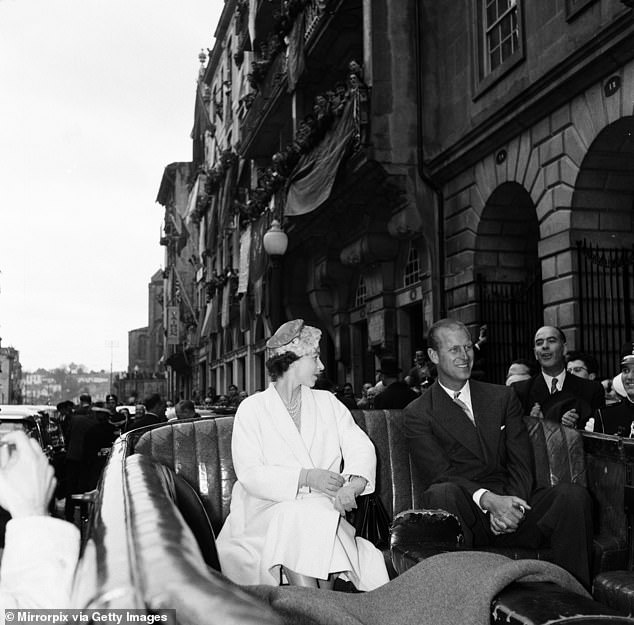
446,589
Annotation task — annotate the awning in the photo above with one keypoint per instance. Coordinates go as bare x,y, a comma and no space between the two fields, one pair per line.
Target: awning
311,181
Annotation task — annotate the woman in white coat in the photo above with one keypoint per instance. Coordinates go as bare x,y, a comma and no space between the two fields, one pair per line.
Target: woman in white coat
301,461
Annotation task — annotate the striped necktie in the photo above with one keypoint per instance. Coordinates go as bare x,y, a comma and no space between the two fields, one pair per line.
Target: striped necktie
553,386
463,406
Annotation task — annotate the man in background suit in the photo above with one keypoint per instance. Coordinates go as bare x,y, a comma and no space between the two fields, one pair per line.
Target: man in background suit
553,392
397,394
469,443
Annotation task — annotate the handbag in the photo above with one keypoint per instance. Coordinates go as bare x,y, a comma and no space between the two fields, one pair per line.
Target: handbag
371,520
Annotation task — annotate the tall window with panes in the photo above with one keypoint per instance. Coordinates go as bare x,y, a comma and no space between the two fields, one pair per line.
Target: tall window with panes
499,39
412,273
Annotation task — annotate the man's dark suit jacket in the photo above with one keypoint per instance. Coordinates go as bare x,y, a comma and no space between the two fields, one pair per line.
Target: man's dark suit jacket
446,447
585,396
396,395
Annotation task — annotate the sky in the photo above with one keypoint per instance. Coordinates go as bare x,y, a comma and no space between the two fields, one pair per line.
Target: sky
96,98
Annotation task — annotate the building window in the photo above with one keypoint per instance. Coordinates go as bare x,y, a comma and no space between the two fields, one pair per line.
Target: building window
359,297
499,40
412,273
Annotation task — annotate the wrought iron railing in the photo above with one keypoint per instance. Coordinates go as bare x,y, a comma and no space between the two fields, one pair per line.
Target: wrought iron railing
605,287
512,312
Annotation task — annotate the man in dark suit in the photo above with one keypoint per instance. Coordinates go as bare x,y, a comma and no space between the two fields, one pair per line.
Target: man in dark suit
468,441
397,394
553,393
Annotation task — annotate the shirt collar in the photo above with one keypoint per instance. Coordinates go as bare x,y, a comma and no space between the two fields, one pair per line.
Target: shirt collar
560,379
465,392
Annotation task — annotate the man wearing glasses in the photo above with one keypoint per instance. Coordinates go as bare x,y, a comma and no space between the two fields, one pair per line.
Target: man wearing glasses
582,365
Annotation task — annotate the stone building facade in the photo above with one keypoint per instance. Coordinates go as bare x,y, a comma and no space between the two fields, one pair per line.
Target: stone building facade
424,159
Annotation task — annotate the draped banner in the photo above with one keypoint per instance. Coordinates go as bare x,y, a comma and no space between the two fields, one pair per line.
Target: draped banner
295,61
191,202
207,322
311,181
173,325
256,251
226,304
245,248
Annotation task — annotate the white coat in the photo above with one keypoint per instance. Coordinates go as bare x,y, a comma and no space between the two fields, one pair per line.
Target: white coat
271,522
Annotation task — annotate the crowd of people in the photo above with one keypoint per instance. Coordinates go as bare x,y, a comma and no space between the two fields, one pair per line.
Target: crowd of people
597,404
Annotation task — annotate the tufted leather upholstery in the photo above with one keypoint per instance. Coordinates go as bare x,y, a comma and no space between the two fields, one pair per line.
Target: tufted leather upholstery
200,452
167,489
558,453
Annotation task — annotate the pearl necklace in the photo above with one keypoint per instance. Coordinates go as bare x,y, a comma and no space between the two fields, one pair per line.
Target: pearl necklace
294,408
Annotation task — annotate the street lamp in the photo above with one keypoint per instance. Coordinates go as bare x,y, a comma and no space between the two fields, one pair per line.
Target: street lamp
275,242
136,383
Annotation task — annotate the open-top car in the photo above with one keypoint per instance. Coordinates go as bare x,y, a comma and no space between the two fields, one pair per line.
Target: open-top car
38,421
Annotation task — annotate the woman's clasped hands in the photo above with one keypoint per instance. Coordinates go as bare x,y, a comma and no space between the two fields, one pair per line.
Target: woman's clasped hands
333,484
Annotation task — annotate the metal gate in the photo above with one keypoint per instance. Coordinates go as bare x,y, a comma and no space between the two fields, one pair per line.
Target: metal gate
512,312
606,283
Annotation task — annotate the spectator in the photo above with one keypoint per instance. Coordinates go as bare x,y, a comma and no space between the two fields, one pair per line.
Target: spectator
153,412
582,365
126,418
111,403
96,447
185,409
81,422
233,397
346,396
65,409
243,395
617,418
366,402
552,393
397,394
480,354
519,369
416,372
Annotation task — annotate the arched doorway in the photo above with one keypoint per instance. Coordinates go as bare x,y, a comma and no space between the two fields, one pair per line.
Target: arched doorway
508,275
603,233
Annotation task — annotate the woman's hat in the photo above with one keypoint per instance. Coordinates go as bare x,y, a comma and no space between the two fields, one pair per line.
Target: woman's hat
293,336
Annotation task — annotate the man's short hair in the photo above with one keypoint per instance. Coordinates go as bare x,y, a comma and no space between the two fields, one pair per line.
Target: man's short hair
560,332
185,404
84,398
152,401
443,324
588,360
